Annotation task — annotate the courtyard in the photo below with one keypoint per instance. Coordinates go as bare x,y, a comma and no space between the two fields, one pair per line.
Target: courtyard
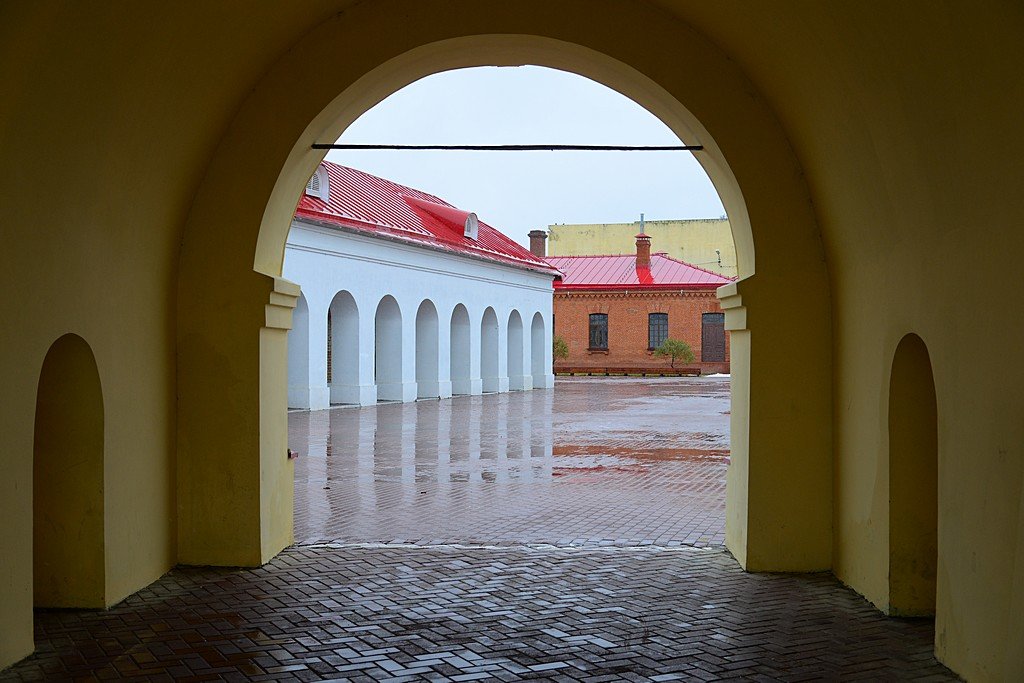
573,534
599,461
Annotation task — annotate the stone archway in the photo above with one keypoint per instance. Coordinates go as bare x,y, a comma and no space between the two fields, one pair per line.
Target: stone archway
779,508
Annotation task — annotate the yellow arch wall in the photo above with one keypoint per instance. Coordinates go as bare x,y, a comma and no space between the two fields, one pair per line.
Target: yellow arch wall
789,422
897,122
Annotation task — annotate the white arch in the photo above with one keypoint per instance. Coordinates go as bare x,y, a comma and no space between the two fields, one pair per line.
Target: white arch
489,351
540,363
298,356
459,349
343,337
387,370
514,352
427,378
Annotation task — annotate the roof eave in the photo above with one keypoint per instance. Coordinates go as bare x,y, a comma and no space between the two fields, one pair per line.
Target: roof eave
311,218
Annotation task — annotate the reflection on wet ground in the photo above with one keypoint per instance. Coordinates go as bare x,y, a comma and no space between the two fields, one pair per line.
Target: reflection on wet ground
596,461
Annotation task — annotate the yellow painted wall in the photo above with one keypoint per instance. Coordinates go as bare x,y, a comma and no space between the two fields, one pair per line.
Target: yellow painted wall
692,240
875,149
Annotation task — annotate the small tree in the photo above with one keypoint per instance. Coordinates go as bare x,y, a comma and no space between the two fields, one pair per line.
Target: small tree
675,349
559,348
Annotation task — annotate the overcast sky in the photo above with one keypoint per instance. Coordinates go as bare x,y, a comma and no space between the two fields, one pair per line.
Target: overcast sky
520,191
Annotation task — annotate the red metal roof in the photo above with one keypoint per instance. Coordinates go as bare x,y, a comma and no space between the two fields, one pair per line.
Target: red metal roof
365,203
620,272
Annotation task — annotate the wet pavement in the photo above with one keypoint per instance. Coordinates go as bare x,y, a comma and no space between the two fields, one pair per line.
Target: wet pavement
514,511
596,461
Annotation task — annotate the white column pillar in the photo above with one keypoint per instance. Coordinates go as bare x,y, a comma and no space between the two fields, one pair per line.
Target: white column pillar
319,393
502,352
408,389
366,389
476,383
547,380
444,354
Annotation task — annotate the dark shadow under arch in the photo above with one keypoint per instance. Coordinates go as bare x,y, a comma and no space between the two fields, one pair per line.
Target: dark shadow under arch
913,481
67,480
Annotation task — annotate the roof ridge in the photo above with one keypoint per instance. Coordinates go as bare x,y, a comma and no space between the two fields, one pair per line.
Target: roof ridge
589,256
402,188
691,265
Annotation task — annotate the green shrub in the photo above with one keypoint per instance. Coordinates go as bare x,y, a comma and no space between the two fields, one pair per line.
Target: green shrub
675,349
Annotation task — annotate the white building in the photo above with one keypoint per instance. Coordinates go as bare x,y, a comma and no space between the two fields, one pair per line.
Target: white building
404,297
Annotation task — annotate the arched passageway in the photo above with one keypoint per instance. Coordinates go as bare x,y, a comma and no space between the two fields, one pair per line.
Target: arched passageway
514,352
343,349
298,356
539,368
427,384
388,350
461,361
489,351
913,481
779,513
68,562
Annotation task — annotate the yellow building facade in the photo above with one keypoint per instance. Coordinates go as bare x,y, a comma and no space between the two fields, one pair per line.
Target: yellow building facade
703,242
868,156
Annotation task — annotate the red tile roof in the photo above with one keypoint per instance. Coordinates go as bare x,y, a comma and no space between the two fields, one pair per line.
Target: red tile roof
365,203
620,272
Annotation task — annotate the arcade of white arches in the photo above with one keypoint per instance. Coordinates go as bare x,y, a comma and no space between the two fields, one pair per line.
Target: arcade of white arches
868,156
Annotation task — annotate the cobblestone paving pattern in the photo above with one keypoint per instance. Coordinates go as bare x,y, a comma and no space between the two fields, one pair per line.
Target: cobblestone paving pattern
501,613
556,538
596,461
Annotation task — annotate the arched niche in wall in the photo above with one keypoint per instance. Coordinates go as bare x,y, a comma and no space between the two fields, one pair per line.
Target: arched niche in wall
68,566
343,348
427,385
913,481
489,351
514,351
461,362
388,350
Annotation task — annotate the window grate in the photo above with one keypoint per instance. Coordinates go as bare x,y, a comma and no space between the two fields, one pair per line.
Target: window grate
599,331
657,329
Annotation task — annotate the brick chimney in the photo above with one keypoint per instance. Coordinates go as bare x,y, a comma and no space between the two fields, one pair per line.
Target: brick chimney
643,248
538,243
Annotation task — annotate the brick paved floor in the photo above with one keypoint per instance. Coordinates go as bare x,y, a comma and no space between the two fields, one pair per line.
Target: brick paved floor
596,461
499,613
550,593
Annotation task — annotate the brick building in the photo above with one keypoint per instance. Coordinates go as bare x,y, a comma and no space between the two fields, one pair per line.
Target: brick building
613,311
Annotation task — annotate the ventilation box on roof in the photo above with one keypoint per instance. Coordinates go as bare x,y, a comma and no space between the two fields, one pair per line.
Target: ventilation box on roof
472,226
318,185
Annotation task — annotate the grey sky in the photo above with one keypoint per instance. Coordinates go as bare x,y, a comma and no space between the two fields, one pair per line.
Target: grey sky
520,191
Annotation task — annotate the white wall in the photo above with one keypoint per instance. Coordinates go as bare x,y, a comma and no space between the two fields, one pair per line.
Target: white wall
326,261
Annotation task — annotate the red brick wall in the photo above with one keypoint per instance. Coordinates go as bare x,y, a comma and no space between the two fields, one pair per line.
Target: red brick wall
627,327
